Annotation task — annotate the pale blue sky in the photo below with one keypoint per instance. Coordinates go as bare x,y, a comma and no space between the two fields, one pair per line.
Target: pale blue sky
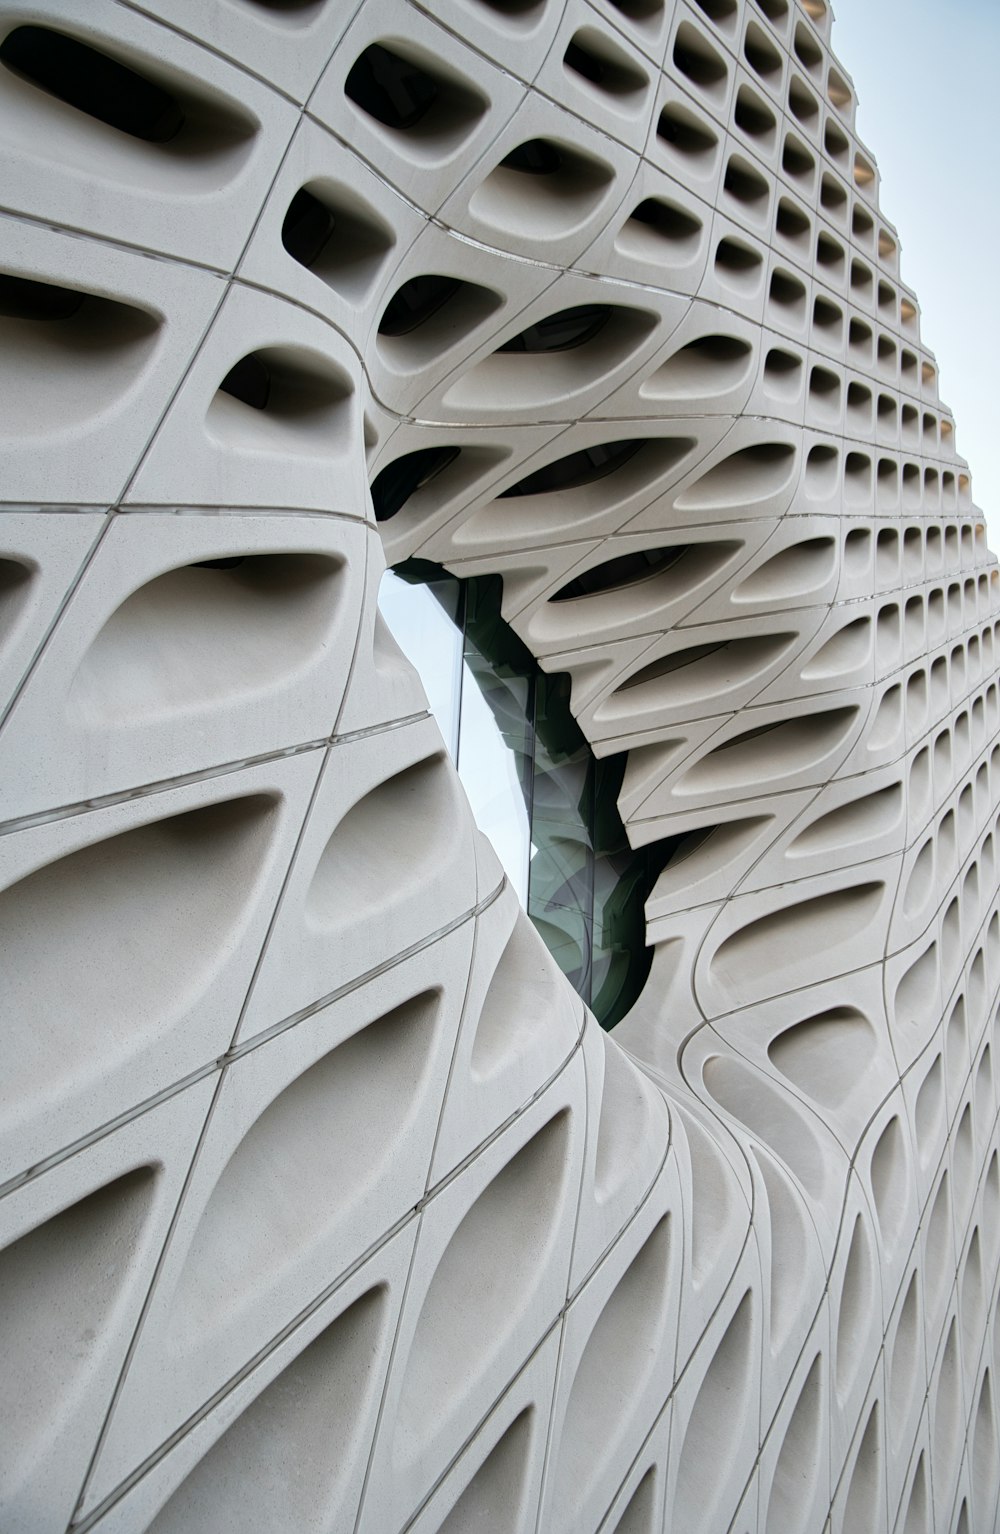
925,72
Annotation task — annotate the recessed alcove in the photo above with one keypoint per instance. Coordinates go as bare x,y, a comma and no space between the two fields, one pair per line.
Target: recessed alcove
334,234
181,887
190,132
304,1163
384,847
410,94
217,632
553,359
281,399
482,1284
67,356
542,189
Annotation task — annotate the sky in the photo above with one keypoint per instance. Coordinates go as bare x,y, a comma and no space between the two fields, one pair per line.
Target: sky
925,75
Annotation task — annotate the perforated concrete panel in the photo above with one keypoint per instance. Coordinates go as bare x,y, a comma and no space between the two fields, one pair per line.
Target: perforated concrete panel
326,1206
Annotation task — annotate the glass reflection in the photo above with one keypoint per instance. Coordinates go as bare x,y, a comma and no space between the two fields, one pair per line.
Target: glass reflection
491,764
560,891
536,790
422,620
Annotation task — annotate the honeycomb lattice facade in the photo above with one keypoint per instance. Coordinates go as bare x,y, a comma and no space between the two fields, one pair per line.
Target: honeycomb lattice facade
325,1204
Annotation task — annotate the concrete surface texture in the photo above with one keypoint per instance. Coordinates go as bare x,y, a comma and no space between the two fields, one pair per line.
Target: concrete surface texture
325,1204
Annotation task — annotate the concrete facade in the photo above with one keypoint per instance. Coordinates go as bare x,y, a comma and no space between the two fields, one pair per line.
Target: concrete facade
325,1203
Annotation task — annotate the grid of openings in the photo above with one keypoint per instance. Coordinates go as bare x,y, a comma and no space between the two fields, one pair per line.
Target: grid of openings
324,1201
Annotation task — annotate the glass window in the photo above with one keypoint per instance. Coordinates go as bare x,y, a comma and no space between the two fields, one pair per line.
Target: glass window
537,791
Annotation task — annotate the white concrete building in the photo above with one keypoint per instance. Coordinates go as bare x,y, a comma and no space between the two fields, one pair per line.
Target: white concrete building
325,1203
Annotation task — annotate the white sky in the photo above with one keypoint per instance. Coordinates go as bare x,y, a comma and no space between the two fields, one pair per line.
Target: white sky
926,78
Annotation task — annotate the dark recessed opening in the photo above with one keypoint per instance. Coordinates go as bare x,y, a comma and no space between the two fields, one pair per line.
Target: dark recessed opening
430,313
286,6
829,253
391,89
696,60
736,259
802,103
685,132
751,115
583,62
416,302
744,184
593,58
15,582
513,7
861,277
615,574
821,465
796,161
791,221
307,227
583,467
535,157
760,53
560,332
249,381
859,397
670,663
862,223
836,144
296,391
716,351
332,236
748,735
823,384
93,83
666,219
542,187
638,10
21,298
807,49
66,354
832,195
718,11
782,368
859,335
786,291
393,485
688,843
410,97
826,316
